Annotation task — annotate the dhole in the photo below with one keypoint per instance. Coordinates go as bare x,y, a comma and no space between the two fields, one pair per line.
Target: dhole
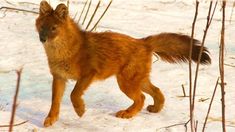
88,56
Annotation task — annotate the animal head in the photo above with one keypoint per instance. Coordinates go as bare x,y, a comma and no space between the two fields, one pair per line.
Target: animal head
51,23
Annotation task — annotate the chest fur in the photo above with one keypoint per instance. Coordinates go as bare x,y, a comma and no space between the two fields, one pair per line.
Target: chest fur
64,69
62,59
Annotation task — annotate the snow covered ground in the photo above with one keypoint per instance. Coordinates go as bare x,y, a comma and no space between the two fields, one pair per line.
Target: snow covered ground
19,45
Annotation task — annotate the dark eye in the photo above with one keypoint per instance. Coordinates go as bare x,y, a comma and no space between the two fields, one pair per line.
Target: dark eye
53,28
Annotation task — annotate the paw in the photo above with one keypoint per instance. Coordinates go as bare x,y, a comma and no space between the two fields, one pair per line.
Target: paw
124,114
50,121
154,109
80,111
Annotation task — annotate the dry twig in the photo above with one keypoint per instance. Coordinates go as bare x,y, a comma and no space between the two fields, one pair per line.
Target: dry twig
97,6
190,68
209,20
17,124
183,90
229,65
178,124
14,105
102,15
209,109
221,66
30,3
88,8
81,12
157,57
196,126
9,3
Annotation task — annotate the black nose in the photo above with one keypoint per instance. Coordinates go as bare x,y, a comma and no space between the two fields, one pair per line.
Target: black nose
42,39
43,35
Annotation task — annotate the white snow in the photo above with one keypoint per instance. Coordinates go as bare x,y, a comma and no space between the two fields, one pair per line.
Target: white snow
19,45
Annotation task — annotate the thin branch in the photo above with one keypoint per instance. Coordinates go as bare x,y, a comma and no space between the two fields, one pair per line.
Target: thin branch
196,126
185,125
209,18
229,65
213,13
18,9
157,57
97,6
87,12
17,124
178,124
9,3
216,19
102,15
203,99
201,50
82,12
221,65
183,90
209,109
14,105
31,3
190,68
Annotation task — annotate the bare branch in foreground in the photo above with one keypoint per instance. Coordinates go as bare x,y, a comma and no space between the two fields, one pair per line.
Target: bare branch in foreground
221,66
88,8
178,124
17,124
192,99
229,65
183,90
209,109
97,6
81,12
14,105
190,68
102,15
29,3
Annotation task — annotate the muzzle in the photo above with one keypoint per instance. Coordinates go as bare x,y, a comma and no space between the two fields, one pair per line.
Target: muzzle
43,35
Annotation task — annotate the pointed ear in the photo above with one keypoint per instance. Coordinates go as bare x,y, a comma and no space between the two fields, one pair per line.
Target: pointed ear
45,8
61,11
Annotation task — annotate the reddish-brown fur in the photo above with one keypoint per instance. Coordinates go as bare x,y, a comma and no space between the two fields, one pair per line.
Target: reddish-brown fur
87,56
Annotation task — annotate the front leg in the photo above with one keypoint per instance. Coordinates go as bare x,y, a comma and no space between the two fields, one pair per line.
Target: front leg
58,87
76,95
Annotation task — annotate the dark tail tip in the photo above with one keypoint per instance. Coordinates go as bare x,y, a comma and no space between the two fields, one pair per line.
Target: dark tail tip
205,57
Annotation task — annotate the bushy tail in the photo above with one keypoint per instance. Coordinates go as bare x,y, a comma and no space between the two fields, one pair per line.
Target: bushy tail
173,48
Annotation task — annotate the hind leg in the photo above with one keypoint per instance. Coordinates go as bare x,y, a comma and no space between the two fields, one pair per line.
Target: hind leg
133,91
157,95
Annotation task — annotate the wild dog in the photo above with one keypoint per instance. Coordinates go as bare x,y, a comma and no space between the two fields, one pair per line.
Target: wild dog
86,56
